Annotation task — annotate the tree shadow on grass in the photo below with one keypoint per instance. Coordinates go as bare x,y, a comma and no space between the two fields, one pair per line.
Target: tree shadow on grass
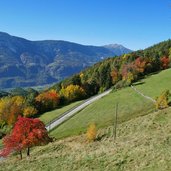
138,83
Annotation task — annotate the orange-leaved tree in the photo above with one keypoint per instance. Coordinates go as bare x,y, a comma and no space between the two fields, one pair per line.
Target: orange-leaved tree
140,64
115,76
91,132
48,100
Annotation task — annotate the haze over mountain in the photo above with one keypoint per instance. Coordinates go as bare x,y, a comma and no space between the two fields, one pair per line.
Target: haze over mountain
31,63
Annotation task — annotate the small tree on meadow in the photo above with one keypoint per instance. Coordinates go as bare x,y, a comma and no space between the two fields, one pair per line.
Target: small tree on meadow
26,133
91,132
163,100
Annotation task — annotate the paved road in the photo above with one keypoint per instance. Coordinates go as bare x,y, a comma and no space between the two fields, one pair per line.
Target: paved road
70,113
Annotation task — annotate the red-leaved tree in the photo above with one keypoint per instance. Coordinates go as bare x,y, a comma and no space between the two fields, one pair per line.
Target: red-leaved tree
140,64
165,62
26,133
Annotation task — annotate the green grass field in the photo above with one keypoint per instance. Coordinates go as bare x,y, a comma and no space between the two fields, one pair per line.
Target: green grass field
143,140
48,116
155,84
142,144
130,103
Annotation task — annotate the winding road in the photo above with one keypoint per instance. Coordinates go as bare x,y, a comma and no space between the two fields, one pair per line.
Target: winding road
73,111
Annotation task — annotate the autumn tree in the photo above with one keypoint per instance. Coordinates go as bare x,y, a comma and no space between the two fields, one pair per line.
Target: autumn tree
140,64
29,111
165,61
73,92
163,100
91,132
47,100
10,108
26,133
129,73
115,76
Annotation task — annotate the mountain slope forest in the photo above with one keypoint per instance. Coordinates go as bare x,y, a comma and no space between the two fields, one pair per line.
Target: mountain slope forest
130,105
138,118
25,63
121,71
118,72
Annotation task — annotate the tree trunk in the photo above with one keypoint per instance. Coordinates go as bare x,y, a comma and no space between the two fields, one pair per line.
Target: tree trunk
28,151
21,155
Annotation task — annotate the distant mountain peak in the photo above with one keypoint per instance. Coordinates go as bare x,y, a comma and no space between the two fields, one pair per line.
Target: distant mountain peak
113,45
117,48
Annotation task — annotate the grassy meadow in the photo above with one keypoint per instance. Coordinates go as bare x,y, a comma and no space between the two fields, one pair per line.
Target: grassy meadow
155,84
143,141
48,116
130,105
142,144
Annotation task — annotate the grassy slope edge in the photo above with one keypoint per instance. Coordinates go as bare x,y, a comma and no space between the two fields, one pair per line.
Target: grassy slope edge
49,116
142,144
143,140
131,105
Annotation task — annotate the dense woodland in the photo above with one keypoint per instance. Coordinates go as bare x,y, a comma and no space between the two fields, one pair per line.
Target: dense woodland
117,72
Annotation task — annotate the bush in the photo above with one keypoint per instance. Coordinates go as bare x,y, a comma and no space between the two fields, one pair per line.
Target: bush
91,132
163,100
120,84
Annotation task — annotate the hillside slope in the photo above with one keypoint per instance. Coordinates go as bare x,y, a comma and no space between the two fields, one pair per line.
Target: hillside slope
130,103
143,140
142,144
46,61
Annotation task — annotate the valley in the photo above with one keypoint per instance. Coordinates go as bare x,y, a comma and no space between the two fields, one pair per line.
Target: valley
137,82
25,63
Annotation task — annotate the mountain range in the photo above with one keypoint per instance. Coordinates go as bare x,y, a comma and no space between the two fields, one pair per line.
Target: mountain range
31,63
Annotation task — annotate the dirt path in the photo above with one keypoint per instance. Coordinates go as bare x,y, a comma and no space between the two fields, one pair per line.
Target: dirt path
140,93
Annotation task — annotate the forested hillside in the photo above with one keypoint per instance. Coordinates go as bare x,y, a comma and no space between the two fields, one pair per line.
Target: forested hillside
121,71
118,72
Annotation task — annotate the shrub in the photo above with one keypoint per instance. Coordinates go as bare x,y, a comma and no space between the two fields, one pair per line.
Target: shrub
120,84
91,132
163,100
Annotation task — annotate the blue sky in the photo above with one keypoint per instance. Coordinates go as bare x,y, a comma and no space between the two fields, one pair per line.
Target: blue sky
136,24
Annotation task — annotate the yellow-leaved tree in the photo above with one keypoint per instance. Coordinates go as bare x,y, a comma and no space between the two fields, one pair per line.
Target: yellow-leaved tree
91,132
163,100
10,108
29,111
73,92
